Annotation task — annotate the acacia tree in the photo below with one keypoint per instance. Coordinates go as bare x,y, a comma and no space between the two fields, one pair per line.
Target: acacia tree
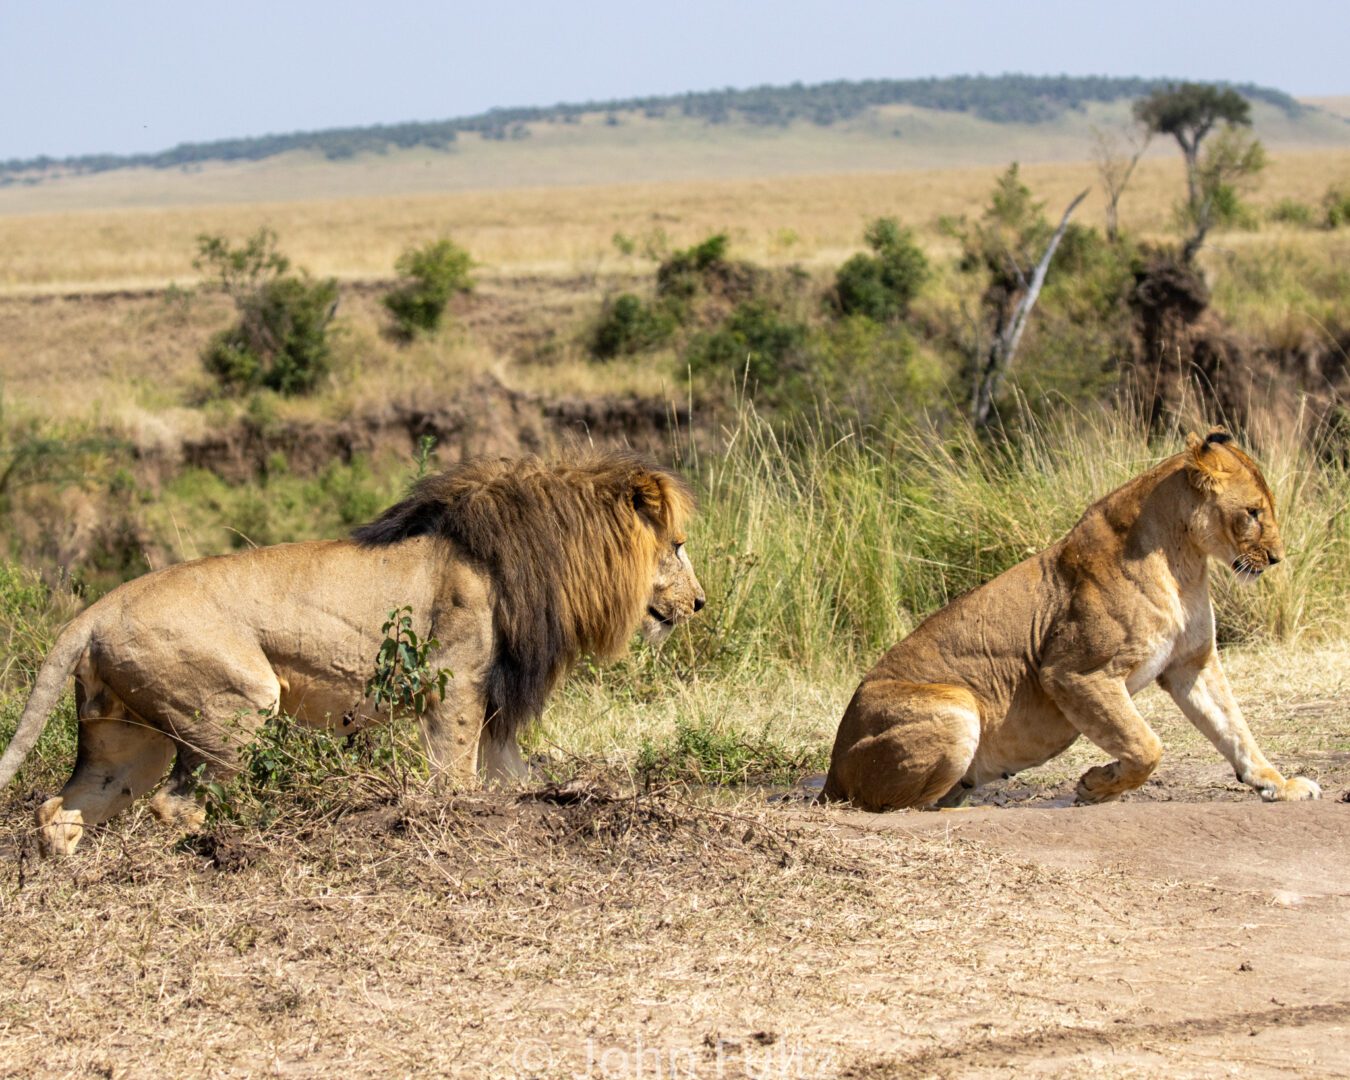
1189,112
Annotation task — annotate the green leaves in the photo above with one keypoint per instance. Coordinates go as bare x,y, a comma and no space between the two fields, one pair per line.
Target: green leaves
428,277
280,340
404,679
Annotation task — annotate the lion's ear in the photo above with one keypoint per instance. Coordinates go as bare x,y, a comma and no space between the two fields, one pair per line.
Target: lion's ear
662,500
651,500
1202,468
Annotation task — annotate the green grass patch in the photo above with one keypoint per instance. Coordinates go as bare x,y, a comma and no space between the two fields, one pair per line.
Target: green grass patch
705,752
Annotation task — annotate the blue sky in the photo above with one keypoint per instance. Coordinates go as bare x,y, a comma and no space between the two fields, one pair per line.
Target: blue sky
86,76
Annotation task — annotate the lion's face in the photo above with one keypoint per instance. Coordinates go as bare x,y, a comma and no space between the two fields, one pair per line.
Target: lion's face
676,594
1239,512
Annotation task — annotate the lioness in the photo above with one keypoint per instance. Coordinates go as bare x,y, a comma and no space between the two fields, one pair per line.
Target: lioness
516,567
1010,674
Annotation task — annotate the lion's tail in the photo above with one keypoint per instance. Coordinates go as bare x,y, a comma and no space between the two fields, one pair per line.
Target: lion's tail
47,690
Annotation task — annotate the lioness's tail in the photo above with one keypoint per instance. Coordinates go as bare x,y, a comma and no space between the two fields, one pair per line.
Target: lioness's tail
47,690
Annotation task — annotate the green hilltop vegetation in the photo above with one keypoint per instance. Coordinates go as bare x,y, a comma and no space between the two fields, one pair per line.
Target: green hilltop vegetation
1000,99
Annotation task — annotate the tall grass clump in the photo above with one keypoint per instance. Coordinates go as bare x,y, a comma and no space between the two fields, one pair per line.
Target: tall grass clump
825,549
31,614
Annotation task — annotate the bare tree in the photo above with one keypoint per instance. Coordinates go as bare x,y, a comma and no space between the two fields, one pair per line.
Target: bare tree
997,361
1116,152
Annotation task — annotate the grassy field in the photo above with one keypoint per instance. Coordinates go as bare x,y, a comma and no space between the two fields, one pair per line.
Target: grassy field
812,219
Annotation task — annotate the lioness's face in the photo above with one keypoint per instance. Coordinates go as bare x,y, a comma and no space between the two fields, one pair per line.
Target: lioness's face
676,594
1244,525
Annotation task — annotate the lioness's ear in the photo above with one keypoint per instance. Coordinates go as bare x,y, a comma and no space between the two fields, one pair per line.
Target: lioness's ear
1201,468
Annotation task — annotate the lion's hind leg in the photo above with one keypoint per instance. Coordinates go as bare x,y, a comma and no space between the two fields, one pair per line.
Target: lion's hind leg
240,692
119,759
903,744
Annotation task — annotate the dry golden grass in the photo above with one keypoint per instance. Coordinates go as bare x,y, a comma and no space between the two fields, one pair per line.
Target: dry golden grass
568,231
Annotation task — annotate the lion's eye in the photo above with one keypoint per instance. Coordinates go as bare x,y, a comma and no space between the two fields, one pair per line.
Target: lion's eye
1254,512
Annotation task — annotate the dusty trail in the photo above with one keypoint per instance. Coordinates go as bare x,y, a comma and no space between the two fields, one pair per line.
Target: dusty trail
1242,968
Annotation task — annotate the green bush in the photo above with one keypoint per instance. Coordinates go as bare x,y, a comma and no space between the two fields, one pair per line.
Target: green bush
683,272
428,277
757,339
1228,211
1291,212
883,284
1336,206
628,326
280,340
704,269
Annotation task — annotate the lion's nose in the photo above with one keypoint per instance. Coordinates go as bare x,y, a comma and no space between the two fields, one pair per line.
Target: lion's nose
1272,558
699,604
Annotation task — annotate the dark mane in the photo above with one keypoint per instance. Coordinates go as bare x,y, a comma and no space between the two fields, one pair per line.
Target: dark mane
570,546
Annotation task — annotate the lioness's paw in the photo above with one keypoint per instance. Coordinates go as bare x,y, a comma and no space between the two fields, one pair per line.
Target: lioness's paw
1094,787
1298,787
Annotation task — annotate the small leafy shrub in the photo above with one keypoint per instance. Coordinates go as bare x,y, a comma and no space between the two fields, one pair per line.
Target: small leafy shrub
280,341
705,269
428,277
628,326
1228,211
757,338
1336,207
289,768
1090,277
882,285
1291,212
404,679
683,271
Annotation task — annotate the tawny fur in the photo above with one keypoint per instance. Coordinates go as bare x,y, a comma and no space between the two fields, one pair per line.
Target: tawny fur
1012,673
517,568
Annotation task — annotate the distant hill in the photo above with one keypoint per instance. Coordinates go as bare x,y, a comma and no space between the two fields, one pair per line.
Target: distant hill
1001,99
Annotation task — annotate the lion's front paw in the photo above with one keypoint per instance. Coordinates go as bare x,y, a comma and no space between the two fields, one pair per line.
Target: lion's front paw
59,829
1296,788
1097,786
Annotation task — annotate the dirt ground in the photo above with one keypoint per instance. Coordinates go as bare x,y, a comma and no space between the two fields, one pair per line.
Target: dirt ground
598,931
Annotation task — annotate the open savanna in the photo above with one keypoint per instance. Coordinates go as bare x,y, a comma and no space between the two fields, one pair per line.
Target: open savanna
569,230
660,899
602,147
546,258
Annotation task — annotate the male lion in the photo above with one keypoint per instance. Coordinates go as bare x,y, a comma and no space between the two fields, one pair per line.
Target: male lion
1010,674
516,567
